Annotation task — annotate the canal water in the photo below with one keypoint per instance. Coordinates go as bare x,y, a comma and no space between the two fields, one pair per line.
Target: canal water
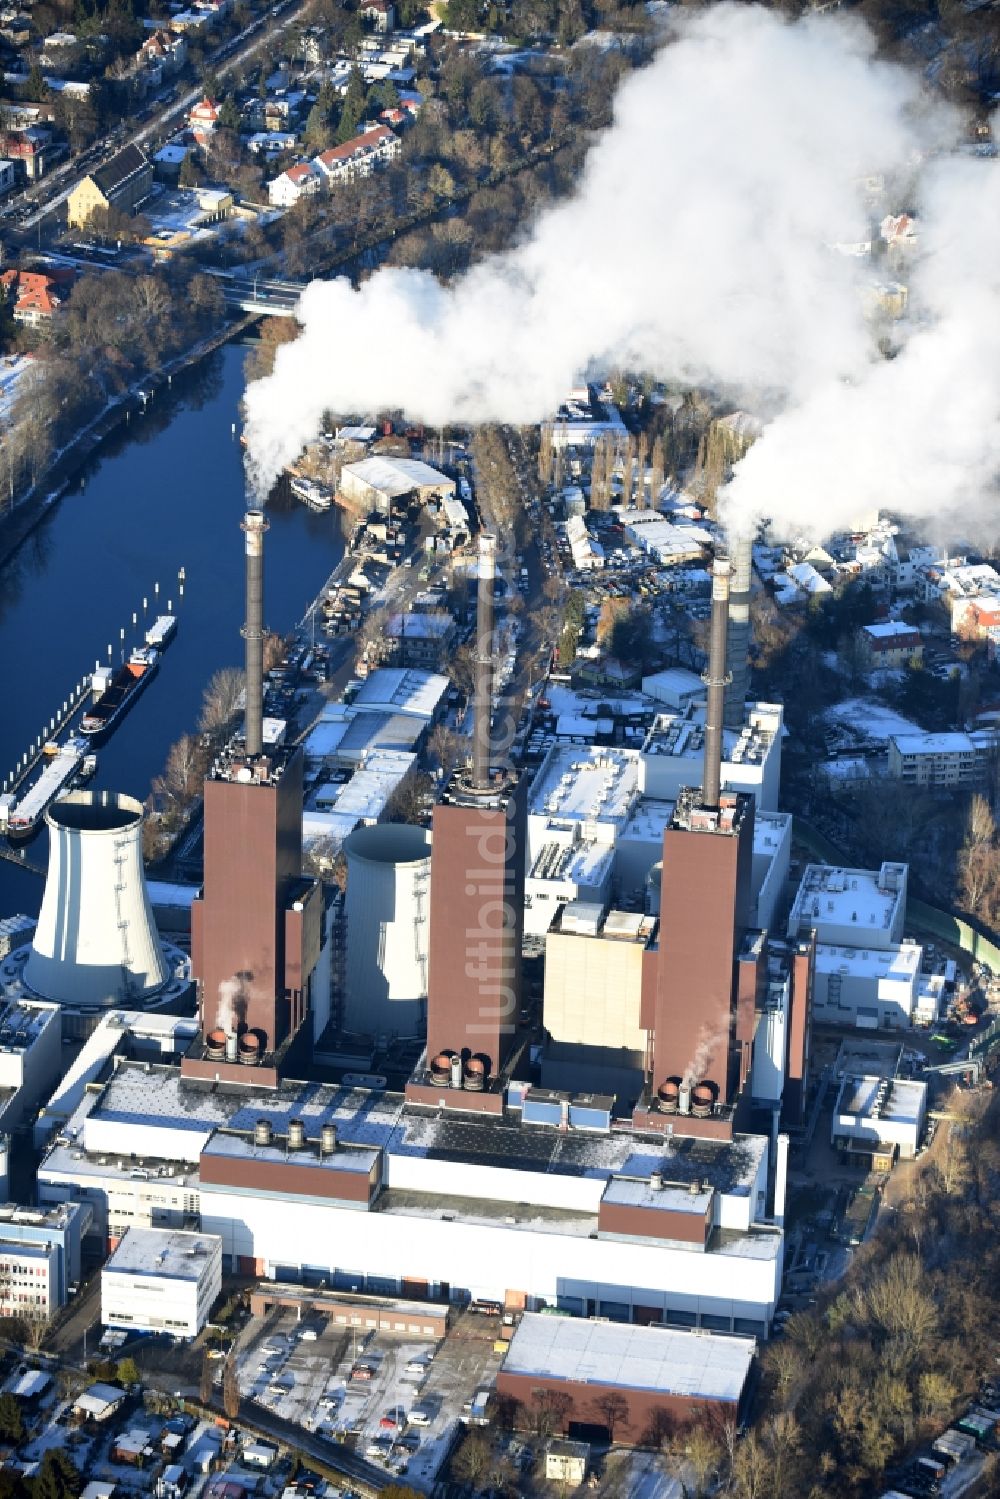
167,492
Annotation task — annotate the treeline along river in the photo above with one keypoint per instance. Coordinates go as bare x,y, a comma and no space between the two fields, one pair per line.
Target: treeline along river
166,492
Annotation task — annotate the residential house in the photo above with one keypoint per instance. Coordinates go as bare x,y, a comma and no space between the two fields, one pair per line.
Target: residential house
28,149
380,13
203,119
300,181
35,297
122,183
898,230
283,109
373,147
165,49
271,143
566,1462
956,760
891,643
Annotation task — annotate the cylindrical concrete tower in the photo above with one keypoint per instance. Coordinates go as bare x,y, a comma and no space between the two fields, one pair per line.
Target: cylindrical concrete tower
387,908
738,632
96,943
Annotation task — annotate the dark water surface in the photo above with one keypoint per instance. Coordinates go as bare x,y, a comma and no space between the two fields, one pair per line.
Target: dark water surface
167,493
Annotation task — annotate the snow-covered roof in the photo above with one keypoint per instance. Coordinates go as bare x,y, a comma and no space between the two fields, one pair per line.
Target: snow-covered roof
696,1365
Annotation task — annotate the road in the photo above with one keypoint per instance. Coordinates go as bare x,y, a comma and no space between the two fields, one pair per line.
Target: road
227,59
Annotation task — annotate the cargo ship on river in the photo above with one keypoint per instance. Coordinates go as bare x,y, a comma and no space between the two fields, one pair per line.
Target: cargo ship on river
121,692
66,765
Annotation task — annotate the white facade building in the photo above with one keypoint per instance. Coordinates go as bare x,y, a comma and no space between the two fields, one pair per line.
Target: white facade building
162,1280
385,1198
30,1057
941,759
873,1112
861,908
673,753
872,988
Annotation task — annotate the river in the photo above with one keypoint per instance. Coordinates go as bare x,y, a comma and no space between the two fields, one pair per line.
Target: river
167,492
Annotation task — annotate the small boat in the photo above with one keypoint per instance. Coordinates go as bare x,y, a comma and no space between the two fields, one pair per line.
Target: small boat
124,687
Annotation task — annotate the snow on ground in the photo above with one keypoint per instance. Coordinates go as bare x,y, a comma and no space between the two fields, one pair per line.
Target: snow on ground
12,369
865,715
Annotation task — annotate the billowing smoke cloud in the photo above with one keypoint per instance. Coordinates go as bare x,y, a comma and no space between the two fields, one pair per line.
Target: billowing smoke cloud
919,433
697,247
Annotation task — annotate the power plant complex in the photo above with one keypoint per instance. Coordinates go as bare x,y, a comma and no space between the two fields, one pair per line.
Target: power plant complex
630,1165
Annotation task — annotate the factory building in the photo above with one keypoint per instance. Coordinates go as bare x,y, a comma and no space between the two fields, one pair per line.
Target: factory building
649,1200
30,1057
873,988
368,1192
162,1280
866,975
877,1116
592,1007
384,484
257,927
851,907
650,1378
751,754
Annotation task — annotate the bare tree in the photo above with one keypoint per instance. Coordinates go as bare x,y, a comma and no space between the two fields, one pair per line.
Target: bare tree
473,1460
220,700
231,1389
205,1382
612,1411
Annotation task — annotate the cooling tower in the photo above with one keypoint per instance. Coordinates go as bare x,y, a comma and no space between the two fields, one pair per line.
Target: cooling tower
387,909
96,943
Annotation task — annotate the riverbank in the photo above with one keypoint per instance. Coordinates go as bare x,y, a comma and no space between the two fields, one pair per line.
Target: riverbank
50,486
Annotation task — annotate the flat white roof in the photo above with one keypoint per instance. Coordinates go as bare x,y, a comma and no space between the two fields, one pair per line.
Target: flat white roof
171,1253
868,900
401,690
580,783
888,628
901,962
697,1365
903,1100
934,744
396,476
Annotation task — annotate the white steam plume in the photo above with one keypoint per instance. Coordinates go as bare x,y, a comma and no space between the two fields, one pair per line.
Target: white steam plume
697,247
709,1040
918,434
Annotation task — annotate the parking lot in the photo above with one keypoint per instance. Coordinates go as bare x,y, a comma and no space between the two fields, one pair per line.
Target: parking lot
395,1399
